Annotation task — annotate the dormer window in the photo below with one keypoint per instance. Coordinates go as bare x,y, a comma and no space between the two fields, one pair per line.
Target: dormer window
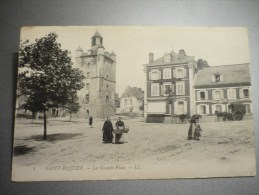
217,78
167,57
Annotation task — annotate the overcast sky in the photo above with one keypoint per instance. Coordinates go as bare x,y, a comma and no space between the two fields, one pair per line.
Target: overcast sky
219,46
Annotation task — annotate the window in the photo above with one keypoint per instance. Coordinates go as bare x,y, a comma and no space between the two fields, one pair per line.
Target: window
87,98
202,95
87,86
203,109
216,78
218,108
180,88
180,107
155,89
231,94
217,94
167,57
125,102
154,75
246,93
179,73
166,89
167,73
88,75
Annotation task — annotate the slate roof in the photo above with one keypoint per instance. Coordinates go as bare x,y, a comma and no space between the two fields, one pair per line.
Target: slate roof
175,59
133,92
232,74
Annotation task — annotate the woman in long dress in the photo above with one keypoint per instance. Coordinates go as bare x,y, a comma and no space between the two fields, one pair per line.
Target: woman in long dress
191,128
107,131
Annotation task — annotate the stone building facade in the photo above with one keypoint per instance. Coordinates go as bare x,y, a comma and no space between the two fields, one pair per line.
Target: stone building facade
169,85
217,87
97,98
131,100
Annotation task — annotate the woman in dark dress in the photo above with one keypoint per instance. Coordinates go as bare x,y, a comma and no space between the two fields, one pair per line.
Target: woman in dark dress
107,131
191,128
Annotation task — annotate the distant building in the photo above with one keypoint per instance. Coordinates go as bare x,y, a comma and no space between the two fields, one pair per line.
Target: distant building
169,85
131,100
97,98
117,101
216,87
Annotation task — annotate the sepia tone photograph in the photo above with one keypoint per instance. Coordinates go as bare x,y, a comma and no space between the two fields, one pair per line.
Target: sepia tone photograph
117,102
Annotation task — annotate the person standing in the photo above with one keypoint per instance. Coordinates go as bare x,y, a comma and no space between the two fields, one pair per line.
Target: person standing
91,121
197,132
107,131
191,128
120,126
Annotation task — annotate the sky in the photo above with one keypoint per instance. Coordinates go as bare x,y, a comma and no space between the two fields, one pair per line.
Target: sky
132,45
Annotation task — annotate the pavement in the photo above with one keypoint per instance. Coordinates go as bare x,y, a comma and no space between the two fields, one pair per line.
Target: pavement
225,149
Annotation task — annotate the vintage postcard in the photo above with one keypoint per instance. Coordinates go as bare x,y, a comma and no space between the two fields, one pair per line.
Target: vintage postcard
117,102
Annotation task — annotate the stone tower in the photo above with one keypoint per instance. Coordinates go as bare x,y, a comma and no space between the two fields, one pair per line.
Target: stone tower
97,98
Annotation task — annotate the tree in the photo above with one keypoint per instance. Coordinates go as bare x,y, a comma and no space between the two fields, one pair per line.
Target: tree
72,105
46,75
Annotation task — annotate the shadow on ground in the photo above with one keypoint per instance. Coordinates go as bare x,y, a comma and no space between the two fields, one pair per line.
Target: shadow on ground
55,137
22,150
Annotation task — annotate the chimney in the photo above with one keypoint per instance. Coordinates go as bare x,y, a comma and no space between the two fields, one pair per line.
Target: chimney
151,58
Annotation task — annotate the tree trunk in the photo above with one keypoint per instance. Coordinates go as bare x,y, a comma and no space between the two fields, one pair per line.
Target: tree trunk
45,126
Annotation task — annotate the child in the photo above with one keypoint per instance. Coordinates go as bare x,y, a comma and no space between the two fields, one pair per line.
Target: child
197,132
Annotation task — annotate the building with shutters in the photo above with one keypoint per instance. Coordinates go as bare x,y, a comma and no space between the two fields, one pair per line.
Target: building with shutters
97,98
216,87
131,100
169,85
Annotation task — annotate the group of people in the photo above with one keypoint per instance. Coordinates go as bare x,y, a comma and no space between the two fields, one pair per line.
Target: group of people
194,129
108,131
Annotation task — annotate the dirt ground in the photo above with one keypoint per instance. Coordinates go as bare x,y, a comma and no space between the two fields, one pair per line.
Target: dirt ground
150,150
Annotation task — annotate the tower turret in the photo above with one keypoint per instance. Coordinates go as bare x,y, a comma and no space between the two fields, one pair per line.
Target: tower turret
79,52
113,56
97,40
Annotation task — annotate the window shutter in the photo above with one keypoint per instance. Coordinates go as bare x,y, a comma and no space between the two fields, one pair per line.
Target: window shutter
162,89
229,94
198,109
198,95
185,107
213,109
174,73
183,88
221,78
221,94
206,95
250,93
213,95
213,78
160,74
149,75
207,109
223,108
184,72
234,93
175,107
241,95
172,87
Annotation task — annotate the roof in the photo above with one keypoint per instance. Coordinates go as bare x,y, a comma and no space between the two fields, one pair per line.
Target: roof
232,74
175,58
133,92
79,49
97,34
